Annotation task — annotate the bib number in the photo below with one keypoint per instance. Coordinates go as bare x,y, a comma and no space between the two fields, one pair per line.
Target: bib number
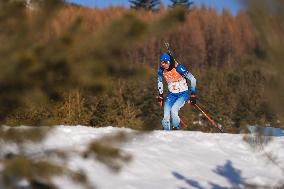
178,86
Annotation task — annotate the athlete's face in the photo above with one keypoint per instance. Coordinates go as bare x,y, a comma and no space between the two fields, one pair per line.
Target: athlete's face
165,64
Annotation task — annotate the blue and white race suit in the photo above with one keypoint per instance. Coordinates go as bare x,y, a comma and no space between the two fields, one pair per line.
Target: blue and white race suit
178,93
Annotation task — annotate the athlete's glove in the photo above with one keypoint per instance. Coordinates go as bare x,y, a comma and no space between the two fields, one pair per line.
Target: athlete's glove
193,98
161,99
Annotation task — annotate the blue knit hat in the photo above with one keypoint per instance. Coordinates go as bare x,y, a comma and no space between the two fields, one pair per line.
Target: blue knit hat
165,57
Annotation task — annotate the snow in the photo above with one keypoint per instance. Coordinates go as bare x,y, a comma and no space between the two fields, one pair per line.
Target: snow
175,159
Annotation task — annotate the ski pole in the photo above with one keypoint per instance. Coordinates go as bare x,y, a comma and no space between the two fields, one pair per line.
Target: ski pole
208,118
184,125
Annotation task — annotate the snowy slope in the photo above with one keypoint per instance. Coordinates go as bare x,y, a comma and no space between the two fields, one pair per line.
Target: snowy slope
172,160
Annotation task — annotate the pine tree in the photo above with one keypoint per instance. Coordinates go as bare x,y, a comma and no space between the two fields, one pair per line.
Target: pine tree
145,4
184,3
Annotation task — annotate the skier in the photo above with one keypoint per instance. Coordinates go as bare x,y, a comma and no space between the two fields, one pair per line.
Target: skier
178,94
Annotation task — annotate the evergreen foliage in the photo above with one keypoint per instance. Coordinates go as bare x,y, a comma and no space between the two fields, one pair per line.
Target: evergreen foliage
49,74
149,5
268,20
183,3
110,155
221,50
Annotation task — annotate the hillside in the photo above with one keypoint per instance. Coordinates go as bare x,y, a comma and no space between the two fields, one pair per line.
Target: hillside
179,159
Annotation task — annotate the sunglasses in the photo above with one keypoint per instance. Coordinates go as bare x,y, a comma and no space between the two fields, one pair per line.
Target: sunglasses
165,62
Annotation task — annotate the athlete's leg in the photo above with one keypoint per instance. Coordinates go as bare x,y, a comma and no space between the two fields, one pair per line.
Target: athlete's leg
179,103
170,100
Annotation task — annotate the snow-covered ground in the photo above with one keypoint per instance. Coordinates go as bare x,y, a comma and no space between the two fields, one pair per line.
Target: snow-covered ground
172,160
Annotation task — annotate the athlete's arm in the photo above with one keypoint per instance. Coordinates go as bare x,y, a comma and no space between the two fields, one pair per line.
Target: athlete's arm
185,73
160,81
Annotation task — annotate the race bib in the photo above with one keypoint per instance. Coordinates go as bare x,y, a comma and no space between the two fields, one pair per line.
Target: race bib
178,86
